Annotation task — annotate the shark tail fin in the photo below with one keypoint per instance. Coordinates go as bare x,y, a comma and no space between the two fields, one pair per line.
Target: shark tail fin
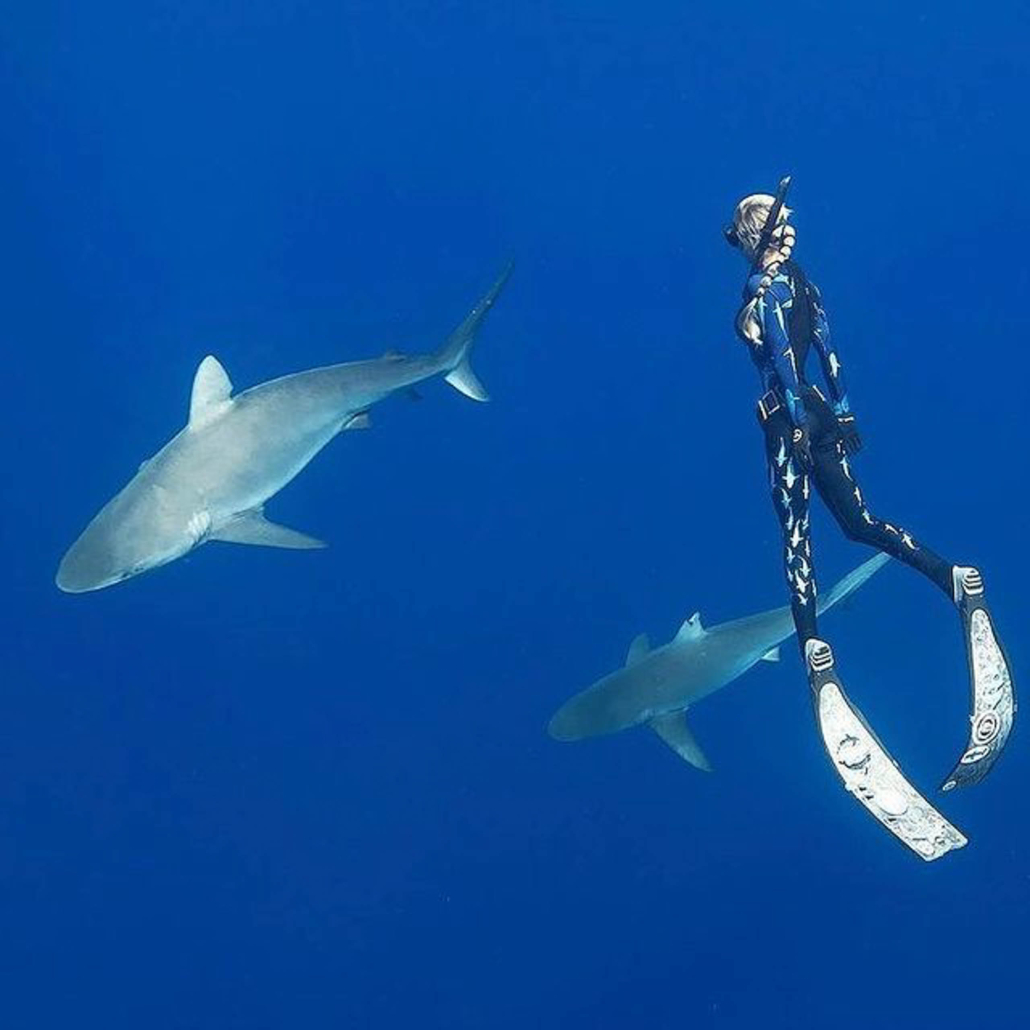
851,582
456,351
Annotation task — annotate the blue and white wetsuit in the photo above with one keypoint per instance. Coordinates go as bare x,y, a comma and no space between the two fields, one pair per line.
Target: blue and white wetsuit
792,321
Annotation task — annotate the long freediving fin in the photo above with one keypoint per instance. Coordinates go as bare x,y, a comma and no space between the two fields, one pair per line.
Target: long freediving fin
992,696
869,773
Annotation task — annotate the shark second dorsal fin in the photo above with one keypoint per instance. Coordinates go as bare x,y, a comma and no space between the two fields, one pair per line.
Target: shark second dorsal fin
691,629
675,732
211,392
638,649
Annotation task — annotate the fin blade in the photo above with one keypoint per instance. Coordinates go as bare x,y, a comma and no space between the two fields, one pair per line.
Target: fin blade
868,770
638,649
211,393
253,528
993,697
772,655
674,731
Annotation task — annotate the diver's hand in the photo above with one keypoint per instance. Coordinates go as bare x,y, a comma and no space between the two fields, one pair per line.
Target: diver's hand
803,448
849,435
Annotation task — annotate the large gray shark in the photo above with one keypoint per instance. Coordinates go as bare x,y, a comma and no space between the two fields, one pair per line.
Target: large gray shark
657,686
211,480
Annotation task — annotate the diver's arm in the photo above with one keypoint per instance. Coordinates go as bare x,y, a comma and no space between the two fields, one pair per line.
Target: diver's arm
846,425
779,350
832,371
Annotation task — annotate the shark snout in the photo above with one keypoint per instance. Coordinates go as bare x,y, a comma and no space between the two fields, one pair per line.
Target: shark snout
80,572
576,719
562,726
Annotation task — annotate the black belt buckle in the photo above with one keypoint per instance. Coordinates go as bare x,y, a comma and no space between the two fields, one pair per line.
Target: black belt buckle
768,404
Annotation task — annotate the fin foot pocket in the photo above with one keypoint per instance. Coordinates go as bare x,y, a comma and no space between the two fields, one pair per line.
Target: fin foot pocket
992,695
868,771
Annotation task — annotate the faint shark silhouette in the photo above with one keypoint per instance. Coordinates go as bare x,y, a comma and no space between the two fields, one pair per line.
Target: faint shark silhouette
657,686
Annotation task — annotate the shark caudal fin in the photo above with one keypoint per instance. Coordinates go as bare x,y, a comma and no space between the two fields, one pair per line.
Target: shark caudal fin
455,352
851,582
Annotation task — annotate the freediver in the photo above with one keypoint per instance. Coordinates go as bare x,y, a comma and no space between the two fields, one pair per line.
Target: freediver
810,440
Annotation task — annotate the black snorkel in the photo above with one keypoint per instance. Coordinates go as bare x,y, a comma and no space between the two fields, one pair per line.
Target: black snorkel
768,229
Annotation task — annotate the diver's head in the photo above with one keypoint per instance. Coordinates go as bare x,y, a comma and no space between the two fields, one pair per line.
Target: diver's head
762,232
748,228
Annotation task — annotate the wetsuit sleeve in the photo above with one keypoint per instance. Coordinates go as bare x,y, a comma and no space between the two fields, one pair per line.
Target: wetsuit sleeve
778,347
832,371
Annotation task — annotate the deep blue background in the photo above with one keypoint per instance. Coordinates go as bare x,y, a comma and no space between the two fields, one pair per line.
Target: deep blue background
267,789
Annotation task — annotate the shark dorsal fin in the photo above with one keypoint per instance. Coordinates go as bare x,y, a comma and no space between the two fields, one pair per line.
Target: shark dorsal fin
691,629
638,649
211,392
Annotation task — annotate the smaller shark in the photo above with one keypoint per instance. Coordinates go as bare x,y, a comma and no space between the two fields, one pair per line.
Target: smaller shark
211,480
657,686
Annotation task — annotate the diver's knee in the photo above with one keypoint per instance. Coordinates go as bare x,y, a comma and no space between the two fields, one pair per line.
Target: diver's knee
856,529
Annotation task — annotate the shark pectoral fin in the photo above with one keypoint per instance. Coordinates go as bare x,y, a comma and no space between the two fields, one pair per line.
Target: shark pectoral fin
772,655
673,729
638,649
211,392
253,528
362,420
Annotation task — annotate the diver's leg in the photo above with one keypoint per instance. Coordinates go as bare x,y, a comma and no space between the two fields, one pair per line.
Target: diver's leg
866,768
835,480
791,489
993,702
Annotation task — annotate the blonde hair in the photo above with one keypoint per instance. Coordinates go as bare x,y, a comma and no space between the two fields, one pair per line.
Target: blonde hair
748,222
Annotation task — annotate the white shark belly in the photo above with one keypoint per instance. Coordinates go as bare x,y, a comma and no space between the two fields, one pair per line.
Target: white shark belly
240,464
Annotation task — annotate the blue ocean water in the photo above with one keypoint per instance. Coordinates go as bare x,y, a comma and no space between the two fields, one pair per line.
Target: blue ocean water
263,789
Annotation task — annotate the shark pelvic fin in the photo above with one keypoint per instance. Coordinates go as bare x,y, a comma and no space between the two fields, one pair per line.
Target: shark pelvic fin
675,732
251,527
691,629
638,649
772,655
211,394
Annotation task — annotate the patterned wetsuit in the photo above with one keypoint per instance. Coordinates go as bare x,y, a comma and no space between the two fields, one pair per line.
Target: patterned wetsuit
792,320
